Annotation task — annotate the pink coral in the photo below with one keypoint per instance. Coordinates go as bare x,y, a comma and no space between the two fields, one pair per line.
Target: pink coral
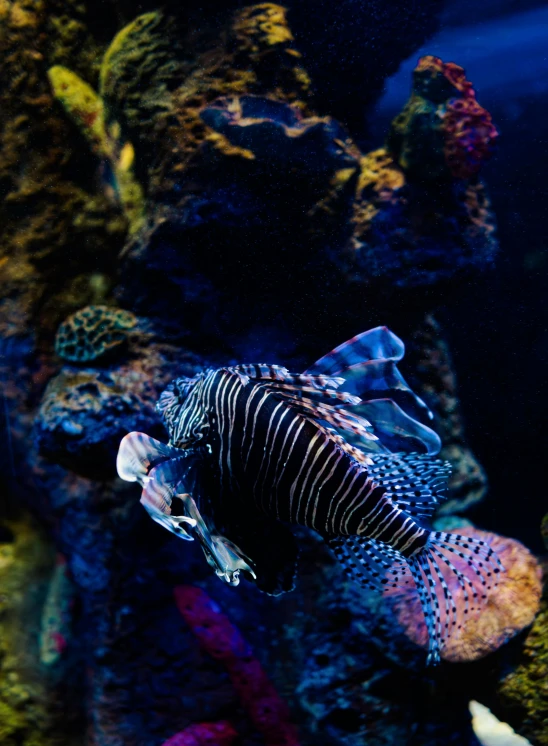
469,136
510,607
453,73
220,638
204,734
467,128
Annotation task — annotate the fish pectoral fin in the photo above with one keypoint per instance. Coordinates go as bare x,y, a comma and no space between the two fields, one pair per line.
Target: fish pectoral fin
226,559
221,554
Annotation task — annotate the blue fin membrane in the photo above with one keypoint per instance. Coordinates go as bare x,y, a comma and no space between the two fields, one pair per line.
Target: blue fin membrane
367,365
376,344
396,430
380,379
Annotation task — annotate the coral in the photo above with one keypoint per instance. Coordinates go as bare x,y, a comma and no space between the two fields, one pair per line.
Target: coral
83,416
508,610
204,734
420,215
87,111
258,57
56,615
46,177
83,105
85,412
93,332
522,695
146,55
490,731
277,132
408,235
433,373
218,636
442,132
240,240
30,710
241,151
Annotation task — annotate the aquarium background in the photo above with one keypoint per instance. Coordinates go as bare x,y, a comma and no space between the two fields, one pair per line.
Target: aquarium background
134,197
505,47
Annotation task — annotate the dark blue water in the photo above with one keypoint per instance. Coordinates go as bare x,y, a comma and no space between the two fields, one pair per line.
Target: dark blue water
498,328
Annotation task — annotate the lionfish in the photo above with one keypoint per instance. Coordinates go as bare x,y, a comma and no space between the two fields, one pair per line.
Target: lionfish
341,449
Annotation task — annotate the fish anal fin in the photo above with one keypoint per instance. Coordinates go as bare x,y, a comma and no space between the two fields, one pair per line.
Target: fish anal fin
372,564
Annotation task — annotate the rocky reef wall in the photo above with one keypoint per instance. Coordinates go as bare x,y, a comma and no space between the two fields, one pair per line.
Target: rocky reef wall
189,188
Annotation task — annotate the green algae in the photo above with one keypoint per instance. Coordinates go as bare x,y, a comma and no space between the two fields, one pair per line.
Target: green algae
87,110
525,690
28,710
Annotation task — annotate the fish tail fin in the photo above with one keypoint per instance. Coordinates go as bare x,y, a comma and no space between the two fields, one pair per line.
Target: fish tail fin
453,574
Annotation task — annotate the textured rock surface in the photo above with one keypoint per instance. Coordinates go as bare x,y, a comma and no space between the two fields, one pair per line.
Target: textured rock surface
431,370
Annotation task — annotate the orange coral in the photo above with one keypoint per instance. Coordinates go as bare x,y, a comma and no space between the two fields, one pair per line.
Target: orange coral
454,74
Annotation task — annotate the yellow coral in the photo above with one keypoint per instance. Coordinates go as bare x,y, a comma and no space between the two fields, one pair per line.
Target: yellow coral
86,109
83,106
121,42
262,26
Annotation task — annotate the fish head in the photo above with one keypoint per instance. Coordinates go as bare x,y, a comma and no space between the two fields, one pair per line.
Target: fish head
181,409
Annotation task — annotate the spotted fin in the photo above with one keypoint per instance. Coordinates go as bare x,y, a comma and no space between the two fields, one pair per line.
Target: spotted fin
370,563
415,483
453,576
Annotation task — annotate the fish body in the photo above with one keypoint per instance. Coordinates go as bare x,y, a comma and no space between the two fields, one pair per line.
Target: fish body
282,462
254,449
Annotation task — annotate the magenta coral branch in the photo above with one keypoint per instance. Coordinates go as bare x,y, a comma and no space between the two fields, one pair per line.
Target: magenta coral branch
220,638
204,734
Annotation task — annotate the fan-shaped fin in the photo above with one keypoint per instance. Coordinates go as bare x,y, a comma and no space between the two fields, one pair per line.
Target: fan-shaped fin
138,453
371,563
396,430
375,344
380,379
161,485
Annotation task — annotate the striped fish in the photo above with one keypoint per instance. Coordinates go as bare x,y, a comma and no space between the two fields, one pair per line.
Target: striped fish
342,449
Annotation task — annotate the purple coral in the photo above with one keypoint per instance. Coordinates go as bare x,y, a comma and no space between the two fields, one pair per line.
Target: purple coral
222,640
204,734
